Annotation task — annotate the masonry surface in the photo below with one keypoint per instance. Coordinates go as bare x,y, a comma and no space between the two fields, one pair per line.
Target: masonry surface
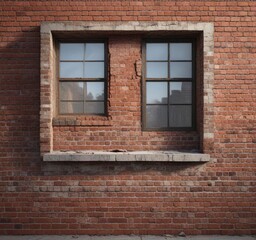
154,197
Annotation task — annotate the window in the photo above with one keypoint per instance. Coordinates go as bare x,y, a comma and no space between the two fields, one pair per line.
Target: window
82,78
169,85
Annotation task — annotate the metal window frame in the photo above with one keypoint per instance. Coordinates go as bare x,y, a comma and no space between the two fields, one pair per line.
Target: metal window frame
83,80
168,80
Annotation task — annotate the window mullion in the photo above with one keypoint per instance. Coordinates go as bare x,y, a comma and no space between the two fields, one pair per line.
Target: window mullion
84,83
168,86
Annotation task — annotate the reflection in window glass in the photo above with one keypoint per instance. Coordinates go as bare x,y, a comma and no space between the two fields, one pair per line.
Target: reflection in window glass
71,107
157,51
94,108
156,116
180,116
157,92
94,91
71,70
181,69
82,78
181,51
71,51
94,70
169,85
71,91
157,70
180,93
94,51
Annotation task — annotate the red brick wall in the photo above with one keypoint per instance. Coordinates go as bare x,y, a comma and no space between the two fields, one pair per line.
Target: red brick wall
122,198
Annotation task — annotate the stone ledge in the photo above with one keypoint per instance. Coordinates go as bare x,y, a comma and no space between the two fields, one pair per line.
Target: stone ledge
136,156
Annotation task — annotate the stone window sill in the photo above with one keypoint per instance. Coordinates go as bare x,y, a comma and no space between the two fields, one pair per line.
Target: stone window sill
136,156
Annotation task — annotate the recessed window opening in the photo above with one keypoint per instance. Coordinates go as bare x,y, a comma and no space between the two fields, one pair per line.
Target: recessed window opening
169,85
82,78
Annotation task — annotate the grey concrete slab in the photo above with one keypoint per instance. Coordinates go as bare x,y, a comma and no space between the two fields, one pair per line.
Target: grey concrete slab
148,156
27,237
66,237
120,237
219,238
206,237
124,237
148,237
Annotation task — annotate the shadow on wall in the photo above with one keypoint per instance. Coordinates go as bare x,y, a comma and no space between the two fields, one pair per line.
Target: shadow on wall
19,117
121,168
20,99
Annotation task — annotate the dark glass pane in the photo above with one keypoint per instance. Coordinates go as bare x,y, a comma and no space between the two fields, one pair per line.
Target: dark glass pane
71,51
181,69
157,51
94,107
181,51
71,107
94,91
71,91
180,116
157,70
94,51
71,70
180,92
94,70
157,92
156,116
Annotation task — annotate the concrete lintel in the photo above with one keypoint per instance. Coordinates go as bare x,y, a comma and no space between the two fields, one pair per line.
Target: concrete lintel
47,27
138,156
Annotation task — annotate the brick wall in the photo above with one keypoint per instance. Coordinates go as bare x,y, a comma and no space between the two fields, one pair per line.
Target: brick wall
122,198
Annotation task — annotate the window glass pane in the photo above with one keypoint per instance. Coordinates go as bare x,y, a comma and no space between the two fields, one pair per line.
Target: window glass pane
94,91
94,51
94,70
156,116
180,116
71,107
181,69
71,51
94,107
157,70
71,69
180,92
71,91
157,92
157,51
181,51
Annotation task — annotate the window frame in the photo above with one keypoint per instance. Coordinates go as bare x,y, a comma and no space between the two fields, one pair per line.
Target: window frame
193,80
83,80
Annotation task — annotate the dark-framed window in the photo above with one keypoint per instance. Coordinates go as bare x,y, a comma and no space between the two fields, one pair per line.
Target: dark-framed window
169,85
82,78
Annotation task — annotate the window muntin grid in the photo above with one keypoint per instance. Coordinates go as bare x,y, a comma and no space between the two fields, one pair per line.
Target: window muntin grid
82,78
169,86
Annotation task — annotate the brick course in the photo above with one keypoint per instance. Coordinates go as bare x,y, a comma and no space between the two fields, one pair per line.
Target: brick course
127,198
